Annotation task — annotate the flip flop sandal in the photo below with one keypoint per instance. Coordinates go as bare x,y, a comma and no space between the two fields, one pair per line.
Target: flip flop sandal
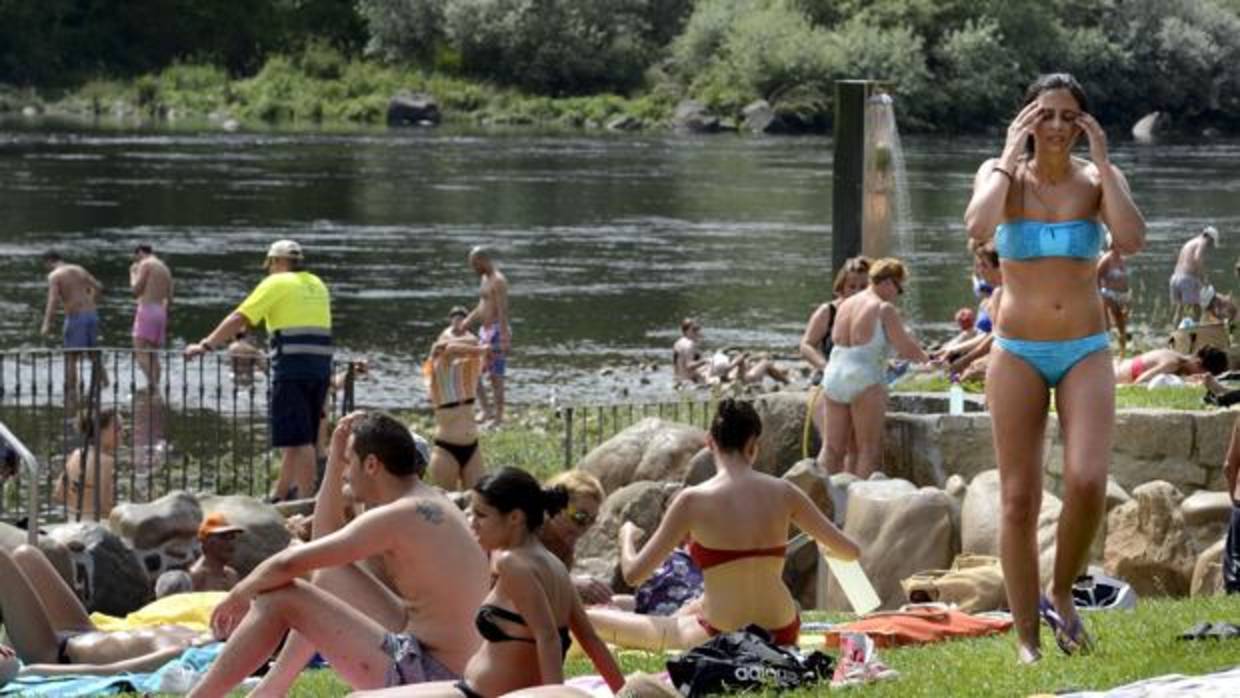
1075,639
1059,631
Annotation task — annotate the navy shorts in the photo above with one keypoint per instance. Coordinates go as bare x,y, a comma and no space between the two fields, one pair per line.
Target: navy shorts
296,407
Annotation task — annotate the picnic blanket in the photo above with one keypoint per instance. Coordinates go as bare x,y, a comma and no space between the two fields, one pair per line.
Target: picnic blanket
173,677
1224,684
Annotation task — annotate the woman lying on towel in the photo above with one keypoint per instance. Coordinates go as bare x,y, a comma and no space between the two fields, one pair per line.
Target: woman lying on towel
526,619
738,525
53,635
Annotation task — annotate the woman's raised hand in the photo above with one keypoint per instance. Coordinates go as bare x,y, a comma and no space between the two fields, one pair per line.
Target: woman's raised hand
1097,139
1021,128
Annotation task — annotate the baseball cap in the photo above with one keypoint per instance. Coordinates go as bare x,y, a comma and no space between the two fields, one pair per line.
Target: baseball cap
283,249
458,310
1210,232
214,524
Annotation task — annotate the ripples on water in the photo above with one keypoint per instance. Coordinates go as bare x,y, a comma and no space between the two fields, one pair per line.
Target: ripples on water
608,240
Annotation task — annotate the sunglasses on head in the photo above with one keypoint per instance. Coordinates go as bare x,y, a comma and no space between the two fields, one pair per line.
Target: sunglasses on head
584,519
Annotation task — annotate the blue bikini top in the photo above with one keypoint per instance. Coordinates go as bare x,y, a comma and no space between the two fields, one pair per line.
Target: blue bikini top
1030,239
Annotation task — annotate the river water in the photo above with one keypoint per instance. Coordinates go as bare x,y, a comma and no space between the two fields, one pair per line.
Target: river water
608,241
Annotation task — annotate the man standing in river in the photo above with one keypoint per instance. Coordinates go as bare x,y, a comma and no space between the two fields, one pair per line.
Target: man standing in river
74,288
494,331
151,282
1188,280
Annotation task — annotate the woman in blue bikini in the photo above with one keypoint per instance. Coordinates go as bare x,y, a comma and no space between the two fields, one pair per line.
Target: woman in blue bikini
1045,210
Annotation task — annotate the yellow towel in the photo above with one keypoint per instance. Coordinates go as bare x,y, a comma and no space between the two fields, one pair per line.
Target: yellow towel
192,610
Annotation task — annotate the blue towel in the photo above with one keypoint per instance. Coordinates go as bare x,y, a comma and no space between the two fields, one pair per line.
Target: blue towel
196,659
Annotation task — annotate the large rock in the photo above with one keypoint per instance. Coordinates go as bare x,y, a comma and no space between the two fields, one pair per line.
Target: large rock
1208,571
815,483
783,431
174,515
760,117
1207,515
652,449
56,552
701,467
980,519
107,575
643,503
1148,544
691,117
264,535
902,531
840,483
406,109
801,566
929,448
163,533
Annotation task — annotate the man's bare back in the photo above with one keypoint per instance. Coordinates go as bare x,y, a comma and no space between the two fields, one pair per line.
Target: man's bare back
1190,259
151,281
493,299
74,288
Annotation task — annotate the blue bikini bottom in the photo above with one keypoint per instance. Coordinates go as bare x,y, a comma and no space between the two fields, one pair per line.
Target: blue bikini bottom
1053,359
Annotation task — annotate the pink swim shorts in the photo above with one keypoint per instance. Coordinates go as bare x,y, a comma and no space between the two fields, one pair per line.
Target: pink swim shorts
150,322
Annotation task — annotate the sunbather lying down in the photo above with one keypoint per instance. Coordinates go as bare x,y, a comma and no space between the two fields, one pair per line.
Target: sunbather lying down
53,634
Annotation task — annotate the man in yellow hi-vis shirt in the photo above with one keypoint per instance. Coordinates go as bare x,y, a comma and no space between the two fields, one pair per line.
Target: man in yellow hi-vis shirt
296,307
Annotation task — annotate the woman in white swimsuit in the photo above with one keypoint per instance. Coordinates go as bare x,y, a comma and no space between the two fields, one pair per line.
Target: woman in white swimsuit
866,328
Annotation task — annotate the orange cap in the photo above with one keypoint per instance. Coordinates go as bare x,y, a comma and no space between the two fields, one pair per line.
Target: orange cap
215,523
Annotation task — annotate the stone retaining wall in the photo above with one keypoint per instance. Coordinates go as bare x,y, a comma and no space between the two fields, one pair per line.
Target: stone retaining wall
1182,447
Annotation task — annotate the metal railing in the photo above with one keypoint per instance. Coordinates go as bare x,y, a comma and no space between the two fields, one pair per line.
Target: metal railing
588,426
200,425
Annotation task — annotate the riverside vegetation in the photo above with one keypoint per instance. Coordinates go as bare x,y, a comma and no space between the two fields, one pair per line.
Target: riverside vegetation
957,65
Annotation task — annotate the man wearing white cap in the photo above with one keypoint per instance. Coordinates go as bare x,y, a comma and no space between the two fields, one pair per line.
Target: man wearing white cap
1188,279
296,307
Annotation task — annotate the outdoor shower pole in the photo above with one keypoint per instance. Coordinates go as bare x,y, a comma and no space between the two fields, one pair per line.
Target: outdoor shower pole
851,97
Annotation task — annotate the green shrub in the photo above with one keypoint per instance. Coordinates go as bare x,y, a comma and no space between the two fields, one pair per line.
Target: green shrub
322,61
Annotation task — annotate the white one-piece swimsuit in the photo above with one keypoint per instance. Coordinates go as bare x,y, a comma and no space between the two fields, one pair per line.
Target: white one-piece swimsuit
850,370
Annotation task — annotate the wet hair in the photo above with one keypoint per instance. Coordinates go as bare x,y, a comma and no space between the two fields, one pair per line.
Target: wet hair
143,248
511,489
1212,359
87,421
854,265
52,256
734,424
1053,81
481,252
687,324
579,483
383,436
887,268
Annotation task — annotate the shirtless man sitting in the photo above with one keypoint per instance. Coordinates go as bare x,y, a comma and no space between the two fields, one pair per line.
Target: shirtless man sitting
74,288
396,590
688,364
213,571
494,331
151,282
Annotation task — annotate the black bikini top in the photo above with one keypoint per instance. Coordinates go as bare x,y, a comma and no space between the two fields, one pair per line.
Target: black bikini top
491,632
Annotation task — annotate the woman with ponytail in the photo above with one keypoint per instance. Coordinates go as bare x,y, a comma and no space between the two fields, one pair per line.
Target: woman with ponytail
526,618
737,523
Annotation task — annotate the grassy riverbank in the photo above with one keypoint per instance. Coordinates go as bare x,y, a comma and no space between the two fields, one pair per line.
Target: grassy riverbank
1132,645
321,88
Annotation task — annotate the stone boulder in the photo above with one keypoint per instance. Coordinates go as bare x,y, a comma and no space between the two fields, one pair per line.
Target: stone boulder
1208,571
760,118
1147,127
107,576
840,482
163,533
643,503
801,571
813,482
783,431
652,449
701,468
56,552
1207,515
1148,544
625,122
1116,495
902,531
980,516
691,117
410,109
264,534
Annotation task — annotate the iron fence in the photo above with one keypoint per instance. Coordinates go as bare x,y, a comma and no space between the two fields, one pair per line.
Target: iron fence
197,424
587,426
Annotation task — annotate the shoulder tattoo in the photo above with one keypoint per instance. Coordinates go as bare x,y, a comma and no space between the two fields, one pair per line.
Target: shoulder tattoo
431,512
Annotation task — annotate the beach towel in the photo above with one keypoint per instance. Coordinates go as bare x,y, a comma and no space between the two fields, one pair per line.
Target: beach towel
1224,684
176,676
915,625
192,610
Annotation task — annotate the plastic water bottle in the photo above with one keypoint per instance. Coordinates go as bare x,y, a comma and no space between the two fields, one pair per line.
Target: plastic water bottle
955,397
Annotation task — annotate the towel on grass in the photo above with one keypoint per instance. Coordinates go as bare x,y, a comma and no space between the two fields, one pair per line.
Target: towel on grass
173,677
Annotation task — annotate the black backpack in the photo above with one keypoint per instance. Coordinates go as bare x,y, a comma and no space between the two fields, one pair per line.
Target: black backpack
745,659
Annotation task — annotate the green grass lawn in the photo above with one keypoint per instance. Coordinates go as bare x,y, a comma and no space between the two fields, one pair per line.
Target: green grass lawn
1132,645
